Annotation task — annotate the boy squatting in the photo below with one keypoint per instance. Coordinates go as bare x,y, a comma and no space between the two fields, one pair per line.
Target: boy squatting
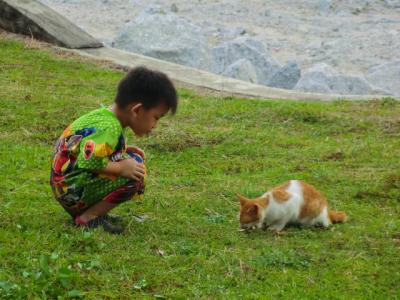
93,170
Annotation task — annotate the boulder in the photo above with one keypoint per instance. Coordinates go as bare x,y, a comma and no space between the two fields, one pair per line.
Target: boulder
392,3
322,78
287,77
166,36
313,83
324,5
253,50
241,69
350,85
386,77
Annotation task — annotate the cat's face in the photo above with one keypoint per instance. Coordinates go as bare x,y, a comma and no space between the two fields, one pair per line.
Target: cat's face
251,212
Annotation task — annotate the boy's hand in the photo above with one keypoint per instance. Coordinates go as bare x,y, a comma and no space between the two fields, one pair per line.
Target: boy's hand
137,150
131,169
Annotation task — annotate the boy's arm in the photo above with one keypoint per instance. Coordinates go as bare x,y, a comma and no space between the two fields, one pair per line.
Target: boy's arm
137,150
128,168
112,168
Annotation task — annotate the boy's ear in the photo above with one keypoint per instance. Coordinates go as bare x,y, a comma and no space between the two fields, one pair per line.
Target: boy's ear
136,107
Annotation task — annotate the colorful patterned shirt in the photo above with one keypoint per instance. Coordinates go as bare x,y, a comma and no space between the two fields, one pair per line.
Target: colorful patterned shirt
88,144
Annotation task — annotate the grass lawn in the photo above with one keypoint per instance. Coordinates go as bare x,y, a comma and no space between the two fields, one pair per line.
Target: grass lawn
190,247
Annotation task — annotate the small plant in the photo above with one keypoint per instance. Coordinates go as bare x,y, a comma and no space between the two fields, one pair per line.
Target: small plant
47,281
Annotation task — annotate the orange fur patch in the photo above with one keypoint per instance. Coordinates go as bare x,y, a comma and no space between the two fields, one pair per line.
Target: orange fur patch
280,195
283,186
337,216
314,202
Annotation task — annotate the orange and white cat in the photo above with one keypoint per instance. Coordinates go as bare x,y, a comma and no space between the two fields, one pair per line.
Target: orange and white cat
294,202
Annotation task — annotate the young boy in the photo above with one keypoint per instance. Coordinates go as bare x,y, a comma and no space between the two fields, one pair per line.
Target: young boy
93,171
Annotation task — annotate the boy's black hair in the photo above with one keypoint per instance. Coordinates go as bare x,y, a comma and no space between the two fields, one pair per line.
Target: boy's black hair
148,87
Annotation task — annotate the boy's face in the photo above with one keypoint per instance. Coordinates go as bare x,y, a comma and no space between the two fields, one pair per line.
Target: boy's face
142,120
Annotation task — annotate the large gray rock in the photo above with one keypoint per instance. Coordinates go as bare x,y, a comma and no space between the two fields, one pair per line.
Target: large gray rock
36,19
228,53
166,36
323,68
351,85
241,69
287,77
316,79
392,3
386,76
324,5
321,78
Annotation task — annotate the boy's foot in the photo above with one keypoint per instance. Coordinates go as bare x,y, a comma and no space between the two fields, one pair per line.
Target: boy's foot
99,221
112,218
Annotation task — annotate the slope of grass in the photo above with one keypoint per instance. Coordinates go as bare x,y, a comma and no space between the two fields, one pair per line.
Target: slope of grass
189,247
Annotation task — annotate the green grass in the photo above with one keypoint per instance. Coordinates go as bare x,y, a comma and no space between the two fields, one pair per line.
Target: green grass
190,247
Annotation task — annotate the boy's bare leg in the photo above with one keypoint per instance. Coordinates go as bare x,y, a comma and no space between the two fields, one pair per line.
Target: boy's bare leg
99,209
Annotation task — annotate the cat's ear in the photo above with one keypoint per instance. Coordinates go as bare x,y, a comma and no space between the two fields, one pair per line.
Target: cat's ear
253,210
243,200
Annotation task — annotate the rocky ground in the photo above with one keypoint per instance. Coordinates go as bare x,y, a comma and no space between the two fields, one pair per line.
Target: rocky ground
348,47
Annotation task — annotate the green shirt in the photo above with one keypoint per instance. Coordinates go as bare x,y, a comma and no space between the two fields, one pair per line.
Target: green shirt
88,144
107,139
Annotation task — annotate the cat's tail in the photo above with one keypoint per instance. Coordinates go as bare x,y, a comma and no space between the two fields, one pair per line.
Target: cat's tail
337,216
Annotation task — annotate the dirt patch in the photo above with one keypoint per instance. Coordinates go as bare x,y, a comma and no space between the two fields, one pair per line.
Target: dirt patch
182,141
337,156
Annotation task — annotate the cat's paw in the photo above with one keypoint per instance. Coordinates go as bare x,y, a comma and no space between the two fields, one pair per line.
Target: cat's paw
276,228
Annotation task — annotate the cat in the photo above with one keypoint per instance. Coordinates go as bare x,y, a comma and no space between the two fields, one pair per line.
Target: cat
294,202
